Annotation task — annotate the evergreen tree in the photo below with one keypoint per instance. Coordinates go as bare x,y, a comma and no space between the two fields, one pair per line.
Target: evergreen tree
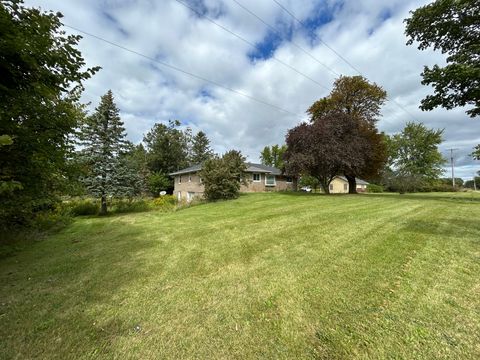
200,150
103,137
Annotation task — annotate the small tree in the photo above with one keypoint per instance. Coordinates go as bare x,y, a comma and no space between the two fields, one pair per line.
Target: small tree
158,182
103,138
223,176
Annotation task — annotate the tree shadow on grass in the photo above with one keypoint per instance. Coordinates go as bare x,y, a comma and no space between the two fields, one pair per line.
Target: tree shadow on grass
433,197
446,228
62,295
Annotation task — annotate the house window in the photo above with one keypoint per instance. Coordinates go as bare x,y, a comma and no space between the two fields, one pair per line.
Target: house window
345,187
189,178
200,180
256,177
289,179
331,187
180,179
270,180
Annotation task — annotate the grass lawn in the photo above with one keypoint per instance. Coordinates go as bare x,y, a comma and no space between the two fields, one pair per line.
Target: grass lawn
265,276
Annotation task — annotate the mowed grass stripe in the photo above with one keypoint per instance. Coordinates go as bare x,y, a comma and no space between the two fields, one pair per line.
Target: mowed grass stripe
264,276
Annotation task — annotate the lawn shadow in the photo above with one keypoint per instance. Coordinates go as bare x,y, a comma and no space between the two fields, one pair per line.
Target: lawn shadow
456,228
433,197
77,276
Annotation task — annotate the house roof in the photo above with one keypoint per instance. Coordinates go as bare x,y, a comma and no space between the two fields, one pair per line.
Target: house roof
251,167
357,180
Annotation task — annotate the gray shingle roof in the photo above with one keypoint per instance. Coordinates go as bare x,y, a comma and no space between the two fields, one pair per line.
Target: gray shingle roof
357,180
251,167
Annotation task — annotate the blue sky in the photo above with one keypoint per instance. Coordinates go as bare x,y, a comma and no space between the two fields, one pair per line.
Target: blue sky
369,34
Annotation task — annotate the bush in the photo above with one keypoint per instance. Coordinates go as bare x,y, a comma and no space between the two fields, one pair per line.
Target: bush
165,202
80,207
54,218
129,205
373,188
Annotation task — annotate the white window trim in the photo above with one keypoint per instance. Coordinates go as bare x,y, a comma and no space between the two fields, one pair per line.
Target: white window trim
180,179
189,177
259,177
274,180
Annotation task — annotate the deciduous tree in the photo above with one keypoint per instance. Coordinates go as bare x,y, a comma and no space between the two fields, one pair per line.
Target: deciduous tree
453,27
41,75
319,149
416,159
273,155
222,176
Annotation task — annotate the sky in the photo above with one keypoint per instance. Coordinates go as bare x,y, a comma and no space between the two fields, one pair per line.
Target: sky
285,66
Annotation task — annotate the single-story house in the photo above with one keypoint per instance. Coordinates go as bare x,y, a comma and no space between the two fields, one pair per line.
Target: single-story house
188,184
339,185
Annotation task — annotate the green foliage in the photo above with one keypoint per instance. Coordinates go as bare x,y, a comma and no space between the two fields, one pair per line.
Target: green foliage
476,152
310,181
448,181
470,183
167,147
373,188
357,98
80,207
103,138
273,155
200,149
450,26
165,202
223,176
119,206
158,182
415,158
40,86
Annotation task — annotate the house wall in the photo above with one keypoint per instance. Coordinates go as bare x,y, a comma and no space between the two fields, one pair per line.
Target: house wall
195,188
338,186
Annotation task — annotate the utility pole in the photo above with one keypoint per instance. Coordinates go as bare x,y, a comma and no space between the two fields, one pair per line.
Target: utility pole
474,184
453,165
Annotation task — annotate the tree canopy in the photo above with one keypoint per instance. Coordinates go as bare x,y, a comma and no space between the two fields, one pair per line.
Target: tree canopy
273,155
222,176
322,149
200,149
41,76
415,158
357,98
453,27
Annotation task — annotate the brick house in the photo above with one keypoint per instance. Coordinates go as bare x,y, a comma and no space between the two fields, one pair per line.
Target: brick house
260,178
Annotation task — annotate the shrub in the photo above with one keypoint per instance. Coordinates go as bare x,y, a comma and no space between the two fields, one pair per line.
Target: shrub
164,202
80,207
129,205
373,188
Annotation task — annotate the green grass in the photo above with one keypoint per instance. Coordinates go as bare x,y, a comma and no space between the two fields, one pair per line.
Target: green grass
265,276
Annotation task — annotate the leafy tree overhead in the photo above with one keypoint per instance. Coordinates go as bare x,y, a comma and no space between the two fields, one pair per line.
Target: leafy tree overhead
223,176
476,152
356,97
416,159
324,148
451,26
200,149
273,155
103,137
41,75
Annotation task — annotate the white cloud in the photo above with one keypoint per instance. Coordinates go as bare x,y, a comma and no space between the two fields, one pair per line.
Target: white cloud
369,33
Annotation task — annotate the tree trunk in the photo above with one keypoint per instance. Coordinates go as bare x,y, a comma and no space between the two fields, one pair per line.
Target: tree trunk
326,187
352,184
103,208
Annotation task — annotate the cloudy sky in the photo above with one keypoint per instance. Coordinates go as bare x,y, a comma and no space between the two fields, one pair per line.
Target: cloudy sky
285,64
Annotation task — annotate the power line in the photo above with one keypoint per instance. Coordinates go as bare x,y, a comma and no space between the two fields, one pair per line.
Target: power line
250,43
337,53
279,33
184,71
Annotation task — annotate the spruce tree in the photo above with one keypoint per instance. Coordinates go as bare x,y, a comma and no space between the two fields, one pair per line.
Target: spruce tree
103,138
200,148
